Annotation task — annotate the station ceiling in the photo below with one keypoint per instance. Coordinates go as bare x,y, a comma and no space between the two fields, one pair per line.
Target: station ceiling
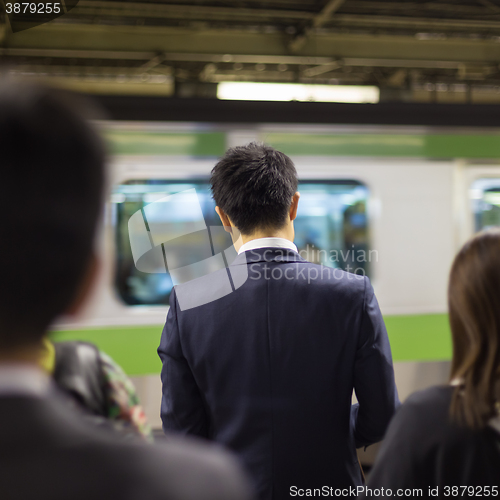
440,50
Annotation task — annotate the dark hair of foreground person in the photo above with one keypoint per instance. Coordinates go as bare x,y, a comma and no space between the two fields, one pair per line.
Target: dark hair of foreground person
50,199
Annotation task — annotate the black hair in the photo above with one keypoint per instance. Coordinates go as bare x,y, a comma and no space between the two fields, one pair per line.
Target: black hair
254,186
51,187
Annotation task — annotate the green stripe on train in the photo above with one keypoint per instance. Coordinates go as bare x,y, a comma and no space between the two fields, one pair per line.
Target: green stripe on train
213,143
424,337
413,338
484,145
130,142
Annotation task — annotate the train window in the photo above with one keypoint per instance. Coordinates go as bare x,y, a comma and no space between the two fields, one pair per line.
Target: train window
331,229
485,195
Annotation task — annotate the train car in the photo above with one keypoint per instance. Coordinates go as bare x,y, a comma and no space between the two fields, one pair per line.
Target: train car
392,203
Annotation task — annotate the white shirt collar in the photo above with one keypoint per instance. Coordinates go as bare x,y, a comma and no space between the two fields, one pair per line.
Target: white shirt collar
267,243
18,379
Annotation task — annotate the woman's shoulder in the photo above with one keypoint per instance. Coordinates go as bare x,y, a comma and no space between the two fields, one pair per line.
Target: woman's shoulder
432,401
424,418
436,397
407,453
424,447
424,410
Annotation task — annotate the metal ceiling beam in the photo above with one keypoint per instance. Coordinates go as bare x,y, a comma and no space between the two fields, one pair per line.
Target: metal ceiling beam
489,5
409,7
320,64
313,21
154,59
319,20
427,24
327,13
401,63
153,63
78,54
252,76
322,69
145,43
84,71
169,11
270,3
247,58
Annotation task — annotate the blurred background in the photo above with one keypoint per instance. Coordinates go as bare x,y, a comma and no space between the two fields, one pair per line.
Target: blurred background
390,110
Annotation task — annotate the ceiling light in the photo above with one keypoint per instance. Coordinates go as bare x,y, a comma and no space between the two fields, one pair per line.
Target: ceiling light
250,91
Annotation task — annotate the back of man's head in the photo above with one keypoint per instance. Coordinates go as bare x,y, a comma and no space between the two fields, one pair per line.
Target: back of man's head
254,186
52,178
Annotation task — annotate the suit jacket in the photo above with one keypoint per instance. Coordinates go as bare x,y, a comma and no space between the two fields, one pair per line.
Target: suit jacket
47,452
269,368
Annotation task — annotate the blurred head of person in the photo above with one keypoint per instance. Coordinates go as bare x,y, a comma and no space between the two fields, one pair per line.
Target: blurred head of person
255,190
52,179
474,309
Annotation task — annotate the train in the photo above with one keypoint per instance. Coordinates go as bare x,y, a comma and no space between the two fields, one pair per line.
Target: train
394,203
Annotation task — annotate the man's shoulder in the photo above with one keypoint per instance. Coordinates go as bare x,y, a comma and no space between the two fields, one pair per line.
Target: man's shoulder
180,468
90,461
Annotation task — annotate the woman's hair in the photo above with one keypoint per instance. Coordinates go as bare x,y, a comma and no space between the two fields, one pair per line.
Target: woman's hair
474,307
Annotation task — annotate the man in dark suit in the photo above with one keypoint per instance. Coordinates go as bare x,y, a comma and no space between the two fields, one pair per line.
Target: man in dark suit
50,203
269,367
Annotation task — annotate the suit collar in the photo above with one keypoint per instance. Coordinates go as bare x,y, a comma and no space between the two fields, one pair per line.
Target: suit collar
269,254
